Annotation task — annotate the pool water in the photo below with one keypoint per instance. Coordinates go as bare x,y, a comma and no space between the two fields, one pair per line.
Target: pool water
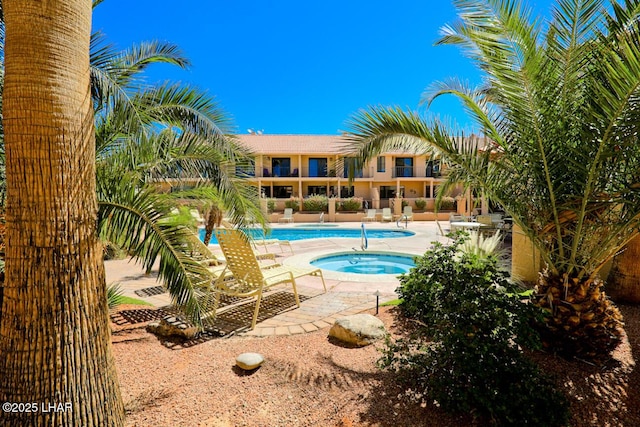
299,233
366,263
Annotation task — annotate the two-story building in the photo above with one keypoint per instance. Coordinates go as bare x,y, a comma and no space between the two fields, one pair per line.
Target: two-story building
302,165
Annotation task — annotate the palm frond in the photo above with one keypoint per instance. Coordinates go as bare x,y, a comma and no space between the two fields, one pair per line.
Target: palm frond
185,107
135,219
560,110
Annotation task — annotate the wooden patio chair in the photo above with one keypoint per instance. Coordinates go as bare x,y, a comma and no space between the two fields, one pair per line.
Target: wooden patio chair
250,279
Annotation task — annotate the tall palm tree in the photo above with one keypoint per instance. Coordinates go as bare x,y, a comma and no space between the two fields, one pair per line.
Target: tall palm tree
169,131
149,134
561,114
54,334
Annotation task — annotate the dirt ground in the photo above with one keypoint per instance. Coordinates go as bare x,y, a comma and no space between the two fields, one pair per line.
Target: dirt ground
311,380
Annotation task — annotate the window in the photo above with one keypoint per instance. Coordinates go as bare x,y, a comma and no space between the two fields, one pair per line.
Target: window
387,192
350,165
404,166
282,191
381,163
281,166
429,193
317,189
433,168
317,167
246,169
346,191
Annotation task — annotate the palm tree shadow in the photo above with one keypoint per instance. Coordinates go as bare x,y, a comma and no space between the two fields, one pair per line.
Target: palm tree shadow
604,394
234,316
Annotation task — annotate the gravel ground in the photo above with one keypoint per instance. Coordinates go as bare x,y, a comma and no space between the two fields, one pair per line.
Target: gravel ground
309,380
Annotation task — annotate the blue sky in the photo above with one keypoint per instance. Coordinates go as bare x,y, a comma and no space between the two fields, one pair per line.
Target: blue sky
298,67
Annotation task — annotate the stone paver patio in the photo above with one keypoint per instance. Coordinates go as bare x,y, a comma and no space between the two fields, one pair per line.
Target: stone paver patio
347,293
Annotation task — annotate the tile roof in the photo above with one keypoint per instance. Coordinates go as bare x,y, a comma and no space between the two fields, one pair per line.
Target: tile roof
268,144
293,144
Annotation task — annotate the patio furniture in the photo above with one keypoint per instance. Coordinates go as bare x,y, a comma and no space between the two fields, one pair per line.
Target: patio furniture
249,278
457,217
269,242
386,214
485,219
371,215
466,225
288,215
498,221
407,213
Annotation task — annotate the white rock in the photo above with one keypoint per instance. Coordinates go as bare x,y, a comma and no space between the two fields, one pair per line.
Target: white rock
249,361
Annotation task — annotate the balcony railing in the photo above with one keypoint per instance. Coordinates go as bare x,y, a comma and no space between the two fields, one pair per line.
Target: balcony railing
403,171
415,172
280,172
304,172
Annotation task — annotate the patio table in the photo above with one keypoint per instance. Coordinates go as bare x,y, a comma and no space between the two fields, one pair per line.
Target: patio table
466,224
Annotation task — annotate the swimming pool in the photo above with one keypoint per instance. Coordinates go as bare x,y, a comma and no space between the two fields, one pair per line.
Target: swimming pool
300,233
366,262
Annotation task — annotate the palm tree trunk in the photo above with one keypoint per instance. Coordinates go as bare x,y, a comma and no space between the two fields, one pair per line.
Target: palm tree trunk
55,351
214,219
581,321
623,283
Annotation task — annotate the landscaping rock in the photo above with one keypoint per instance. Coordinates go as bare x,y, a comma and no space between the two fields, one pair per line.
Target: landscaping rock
249,361
358,329
173,327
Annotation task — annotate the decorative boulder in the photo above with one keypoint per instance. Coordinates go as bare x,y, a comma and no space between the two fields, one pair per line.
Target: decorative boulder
249,361
358,329
172,326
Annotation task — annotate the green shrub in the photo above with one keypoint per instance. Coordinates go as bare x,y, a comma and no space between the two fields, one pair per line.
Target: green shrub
351,204
271,205
317,203
467,354
292,203
447,203
421,204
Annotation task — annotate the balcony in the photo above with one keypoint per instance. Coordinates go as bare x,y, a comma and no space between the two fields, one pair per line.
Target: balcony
415,172
282,172
304,172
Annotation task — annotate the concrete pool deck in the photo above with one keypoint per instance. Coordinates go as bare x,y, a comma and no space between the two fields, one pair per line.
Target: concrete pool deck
347,293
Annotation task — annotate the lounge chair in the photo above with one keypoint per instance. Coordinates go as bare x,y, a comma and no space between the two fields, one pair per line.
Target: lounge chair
386,214
371,215
288,215
407,213
249,279
268,242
